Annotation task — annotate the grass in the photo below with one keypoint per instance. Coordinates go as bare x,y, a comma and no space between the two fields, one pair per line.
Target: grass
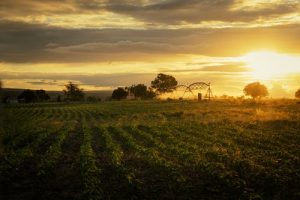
151,150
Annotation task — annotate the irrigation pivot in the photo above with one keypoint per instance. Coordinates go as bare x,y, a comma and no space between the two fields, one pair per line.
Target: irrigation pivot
195,90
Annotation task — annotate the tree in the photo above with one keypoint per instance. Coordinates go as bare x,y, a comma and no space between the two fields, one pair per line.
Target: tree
31,96
27,96
119,93
139,91
297,94
256,90
150,94
73,92
41,95
164,83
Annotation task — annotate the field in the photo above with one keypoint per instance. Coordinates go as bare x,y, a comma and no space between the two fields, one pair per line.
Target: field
151,150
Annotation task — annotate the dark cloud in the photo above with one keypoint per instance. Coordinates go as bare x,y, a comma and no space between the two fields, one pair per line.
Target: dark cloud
37,7
7,26
116,47
21,42
101,80
195,11
44,82
153,11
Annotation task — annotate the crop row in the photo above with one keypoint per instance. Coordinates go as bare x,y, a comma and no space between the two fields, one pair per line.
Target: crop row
90,173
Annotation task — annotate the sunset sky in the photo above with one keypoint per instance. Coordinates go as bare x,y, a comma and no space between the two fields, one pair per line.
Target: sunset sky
103,44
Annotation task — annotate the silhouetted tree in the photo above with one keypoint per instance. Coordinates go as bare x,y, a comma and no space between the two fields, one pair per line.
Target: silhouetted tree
139,91
42,95
27,96
150,94
164,83
297,94
119,93
31,96
256,90
73,92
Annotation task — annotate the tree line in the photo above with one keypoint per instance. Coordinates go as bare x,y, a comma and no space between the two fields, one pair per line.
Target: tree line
162,83
72,92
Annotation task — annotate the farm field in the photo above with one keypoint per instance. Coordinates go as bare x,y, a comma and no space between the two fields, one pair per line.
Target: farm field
151,150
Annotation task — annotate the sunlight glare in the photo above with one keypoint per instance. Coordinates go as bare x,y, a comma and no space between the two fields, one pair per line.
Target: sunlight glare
267,65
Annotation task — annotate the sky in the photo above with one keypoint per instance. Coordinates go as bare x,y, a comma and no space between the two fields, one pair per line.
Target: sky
104,44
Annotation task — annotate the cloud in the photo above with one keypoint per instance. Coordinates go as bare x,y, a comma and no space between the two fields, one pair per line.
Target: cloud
231,67
147,31
36,43
194,11
111,80
234,67
155,11
44,82
37,7
116,47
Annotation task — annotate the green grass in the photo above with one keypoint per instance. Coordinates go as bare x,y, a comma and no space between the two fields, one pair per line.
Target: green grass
151,150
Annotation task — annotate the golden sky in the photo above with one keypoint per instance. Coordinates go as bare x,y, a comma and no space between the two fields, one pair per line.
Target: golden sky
102,44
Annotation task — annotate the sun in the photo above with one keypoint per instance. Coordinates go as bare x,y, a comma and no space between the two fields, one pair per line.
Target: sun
268,65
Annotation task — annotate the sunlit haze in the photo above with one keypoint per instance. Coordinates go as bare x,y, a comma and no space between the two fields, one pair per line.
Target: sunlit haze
269,65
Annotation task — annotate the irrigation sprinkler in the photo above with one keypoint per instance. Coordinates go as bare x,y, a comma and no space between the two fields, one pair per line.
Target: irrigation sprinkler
195,89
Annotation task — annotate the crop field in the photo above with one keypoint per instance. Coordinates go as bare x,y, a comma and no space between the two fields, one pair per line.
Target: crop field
151,150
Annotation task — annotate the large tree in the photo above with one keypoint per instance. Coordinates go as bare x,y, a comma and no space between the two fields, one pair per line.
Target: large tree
164,83
256,90
42,95
150,94
31,96
141,91
119,93
28,96
73,92
297,94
